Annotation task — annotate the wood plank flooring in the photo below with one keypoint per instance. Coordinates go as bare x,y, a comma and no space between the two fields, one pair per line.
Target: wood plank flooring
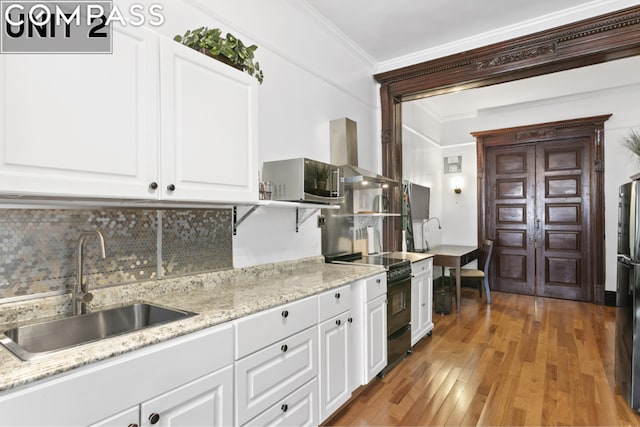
521,361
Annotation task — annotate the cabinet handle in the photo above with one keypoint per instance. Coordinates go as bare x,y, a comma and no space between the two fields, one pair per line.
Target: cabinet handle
171,187
378,280
133,425
284,348
153,185
285,314
337,295
284,407
350,320
154,418
424,303
338,322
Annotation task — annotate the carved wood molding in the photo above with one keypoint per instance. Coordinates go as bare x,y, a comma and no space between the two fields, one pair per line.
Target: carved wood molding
611,36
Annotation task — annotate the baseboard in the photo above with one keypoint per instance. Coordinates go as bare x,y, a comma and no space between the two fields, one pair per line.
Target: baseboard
610,298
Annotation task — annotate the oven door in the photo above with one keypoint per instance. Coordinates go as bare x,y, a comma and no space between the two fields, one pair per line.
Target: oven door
399,305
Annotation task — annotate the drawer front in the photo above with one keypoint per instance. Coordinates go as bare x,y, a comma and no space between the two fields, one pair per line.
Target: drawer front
334,302
266,377
259,330
300,408
421,266
376,286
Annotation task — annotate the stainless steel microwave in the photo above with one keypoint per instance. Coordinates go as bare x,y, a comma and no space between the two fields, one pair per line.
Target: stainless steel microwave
304,180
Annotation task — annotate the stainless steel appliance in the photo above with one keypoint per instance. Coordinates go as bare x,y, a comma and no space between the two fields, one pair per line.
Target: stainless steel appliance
627,368
304,180
398,303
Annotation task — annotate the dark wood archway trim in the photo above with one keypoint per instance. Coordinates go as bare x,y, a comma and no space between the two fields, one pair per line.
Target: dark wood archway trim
604,38
590,127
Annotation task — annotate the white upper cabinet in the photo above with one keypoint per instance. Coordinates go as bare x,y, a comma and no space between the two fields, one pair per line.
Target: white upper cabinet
208,127
81,124
153,120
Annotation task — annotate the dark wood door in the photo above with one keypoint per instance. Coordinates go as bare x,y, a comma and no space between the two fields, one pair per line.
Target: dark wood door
538,210
511,198
562,219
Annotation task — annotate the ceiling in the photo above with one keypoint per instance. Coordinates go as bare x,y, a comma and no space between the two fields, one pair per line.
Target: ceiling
388,29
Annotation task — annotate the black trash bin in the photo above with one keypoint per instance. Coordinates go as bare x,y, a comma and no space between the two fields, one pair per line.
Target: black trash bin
442,298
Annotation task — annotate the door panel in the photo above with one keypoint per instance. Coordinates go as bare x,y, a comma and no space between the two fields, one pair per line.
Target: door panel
511,194
537,213
563,228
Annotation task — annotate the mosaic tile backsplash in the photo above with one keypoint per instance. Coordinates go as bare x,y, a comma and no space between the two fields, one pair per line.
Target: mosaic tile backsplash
38,247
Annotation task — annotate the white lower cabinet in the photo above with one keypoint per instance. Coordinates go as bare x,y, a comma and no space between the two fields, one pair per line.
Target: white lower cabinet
421,299
300,408
206,401
369,329
335,350
175,379
269,375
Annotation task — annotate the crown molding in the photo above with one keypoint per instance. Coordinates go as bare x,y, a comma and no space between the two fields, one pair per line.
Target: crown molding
563,17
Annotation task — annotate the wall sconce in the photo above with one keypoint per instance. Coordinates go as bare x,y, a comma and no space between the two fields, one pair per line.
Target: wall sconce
457,190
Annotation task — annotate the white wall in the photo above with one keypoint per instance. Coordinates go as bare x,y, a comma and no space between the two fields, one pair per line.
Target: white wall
310,78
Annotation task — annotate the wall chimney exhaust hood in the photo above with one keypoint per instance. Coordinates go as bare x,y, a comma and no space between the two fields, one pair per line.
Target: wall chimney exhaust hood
344,152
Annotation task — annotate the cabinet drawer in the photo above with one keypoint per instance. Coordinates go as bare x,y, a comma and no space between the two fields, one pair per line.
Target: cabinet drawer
421,266
262,329
266,377
334,302
376,286
297,409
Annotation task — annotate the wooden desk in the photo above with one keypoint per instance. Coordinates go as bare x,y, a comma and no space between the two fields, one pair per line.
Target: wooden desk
454,256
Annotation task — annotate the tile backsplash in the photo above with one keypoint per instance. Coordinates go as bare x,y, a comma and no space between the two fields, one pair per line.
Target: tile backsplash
38,247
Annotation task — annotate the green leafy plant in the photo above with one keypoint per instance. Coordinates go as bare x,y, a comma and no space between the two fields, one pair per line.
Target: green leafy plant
632,142
229,49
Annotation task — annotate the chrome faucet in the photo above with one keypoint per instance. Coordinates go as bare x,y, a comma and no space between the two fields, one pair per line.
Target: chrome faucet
424,222
80,295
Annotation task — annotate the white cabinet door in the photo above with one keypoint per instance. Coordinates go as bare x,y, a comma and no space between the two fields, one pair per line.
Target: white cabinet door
376,343
206,401
81,125
416,331
267,376
209,116
421,299
334,364
300,408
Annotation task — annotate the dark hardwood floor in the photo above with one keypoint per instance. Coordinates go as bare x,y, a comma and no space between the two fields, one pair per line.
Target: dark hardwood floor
521,361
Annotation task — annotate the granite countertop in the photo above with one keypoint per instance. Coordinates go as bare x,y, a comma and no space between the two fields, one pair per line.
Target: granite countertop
217,297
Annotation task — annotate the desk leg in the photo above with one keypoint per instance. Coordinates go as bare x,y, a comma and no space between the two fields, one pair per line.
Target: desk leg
458,283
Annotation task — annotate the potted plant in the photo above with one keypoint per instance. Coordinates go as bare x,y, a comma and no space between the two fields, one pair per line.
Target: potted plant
229,49
632,143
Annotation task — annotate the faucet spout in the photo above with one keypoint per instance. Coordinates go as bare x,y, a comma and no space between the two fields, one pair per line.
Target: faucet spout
425,222
80,294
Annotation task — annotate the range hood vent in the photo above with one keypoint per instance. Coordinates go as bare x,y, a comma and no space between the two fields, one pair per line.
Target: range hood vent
344,152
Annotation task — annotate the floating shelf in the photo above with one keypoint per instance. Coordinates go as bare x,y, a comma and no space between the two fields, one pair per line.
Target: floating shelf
309,208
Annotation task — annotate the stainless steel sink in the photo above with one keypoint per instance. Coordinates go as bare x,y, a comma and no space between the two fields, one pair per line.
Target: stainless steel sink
33,341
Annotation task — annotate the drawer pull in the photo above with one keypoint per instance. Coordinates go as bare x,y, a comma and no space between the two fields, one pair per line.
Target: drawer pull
337,295
284,407
338,322
133,425
154,418
285,314
284,348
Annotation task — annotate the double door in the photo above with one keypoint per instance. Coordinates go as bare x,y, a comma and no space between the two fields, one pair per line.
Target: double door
538,203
